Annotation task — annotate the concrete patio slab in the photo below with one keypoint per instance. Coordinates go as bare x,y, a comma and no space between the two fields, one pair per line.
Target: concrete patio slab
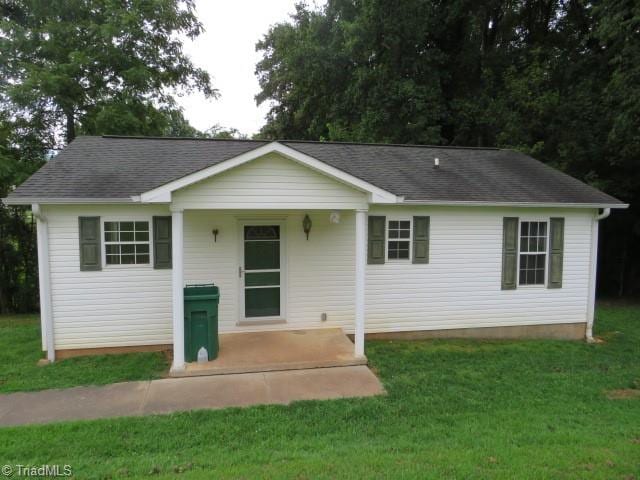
183,394
279,350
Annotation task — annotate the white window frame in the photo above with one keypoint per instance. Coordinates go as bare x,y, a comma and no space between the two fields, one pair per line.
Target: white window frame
104,243
387,239
546,251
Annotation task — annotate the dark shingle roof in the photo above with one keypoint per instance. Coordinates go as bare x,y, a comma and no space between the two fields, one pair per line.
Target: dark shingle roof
121,167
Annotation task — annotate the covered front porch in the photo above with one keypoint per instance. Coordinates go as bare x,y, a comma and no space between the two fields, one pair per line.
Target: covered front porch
286,301
277,351
284,237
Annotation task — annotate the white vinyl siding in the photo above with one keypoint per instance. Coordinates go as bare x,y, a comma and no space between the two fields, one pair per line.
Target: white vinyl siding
319,271
117,306
270,182
459,288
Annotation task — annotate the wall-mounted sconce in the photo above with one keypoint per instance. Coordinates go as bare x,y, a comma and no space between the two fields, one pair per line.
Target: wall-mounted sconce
215,234
306,225
334,217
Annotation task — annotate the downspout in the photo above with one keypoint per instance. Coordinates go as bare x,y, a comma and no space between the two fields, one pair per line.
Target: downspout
44,280
594,268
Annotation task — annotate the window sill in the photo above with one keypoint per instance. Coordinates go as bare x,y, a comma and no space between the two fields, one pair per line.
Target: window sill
266,321
128,266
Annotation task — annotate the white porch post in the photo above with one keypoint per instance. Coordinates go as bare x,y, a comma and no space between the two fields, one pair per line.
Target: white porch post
361,252
177,277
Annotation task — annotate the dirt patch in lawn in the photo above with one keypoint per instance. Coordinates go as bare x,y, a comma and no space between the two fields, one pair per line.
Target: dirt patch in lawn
623,394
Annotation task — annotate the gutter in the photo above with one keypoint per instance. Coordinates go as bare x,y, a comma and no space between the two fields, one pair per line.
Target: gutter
62,201
44,281
464,203
593,272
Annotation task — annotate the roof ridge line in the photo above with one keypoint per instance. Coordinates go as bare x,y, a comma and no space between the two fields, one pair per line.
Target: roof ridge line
319,142
372,144
142,137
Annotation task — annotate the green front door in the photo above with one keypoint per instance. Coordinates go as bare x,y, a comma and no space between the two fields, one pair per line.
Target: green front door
262,271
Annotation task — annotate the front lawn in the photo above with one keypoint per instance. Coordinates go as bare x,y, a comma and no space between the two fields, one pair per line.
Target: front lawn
20,349
455,409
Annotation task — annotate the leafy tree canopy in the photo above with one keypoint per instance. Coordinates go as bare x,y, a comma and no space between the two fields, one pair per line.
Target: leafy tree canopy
558,79
70,58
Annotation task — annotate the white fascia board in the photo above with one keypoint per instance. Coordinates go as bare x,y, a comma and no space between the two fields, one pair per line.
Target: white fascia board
513,204
162,194
63,201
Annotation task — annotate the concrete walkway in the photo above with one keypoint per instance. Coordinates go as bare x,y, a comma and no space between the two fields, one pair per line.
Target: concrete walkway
181,394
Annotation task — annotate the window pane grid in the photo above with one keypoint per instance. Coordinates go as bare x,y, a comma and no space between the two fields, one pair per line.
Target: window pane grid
533,253
126,243
399,241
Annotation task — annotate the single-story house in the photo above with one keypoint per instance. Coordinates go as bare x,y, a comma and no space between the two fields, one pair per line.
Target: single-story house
374,239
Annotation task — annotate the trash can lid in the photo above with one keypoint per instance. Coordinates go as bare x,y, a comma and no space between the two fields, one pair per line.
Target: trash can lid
200,290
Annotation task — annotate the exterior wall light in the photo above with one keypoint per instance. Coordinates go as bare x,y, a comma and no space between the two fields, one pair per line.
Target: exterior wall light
306,225
215,234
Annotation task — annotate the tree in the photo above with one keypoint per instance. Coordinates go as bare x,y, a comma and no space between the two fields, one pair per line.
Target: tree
22,150
67,57
558,79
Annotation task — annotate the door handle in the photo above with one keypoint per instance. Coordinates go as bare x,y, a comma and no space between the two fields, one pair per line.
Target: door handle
239,272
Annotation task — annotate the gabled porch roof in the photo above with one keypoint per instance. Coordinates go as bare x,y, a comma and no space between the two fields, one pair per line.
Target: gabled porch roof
163,194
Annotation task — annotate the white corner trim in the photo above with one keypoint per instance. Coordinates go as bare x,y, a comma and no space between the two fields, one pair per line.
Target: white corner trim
162,194
44,280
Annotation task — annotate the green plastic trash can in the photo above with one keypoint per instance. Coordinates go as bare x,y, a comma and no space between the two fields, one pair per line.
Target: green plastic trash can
201,320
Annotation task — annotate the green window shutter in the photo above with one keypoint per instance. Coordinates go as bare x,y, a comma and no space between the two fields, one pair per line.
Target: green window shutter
509,253
89,230
556,252
375,250
161,242
421,239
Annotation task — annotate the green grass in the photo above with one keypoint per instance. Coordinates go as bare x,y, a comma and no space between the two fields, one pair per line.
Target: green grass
20,349
454,409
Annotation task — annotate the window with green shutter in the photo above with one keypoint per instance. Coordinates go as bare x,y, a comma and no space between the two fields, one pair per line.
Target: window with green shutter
161,242
533,253
421,227
376,239
89,233
126,242
556,252
509,253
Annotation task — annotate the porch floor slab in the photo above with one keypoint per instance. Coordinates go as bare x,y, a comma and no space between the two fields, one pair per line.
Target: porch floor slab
253,352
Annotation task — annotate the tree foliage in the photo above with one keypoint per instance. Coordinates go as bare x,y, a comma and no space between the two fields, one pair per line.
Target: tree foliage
559,79
88,66
69,58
